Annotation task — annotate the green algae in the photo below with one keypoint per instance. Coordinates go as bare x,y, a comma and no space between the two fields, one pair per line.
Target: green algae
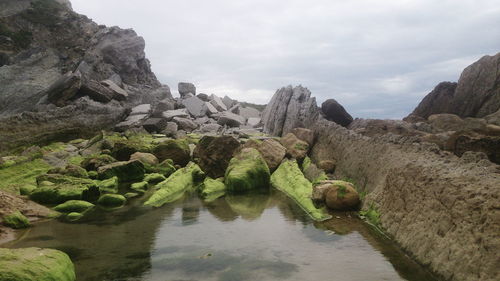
289,179
57,189
22,174
127,171
77,206
171,189
35,264
74,216
212,189
16,220
372,215
112,200
140,187
247,171
177,150
154,178
108,186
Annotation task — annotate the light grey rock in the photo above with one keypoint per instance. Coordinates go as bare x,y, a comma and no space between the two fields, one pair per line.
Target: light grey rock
118,93
249,112
185,124
254,122
235,109
170,114
218,103
64,89
195,106
228,101
171,129
141,109
186,88
210,128
203,97
231,120
211,109
155,125
289,108
163,106
131,121
202,120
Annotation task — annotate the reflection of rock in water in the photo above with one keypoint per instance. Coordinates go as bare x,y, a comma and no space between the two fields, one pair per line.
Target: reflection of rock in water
196,263
248,206
221,210
103,253
190,210
289,209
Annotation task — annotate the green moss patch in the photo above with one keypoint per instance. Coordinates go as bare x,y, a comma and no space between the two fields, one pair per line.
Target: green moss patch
371,215
112,200
16,220
22,174
212,189
247,171
71,206
171,189
289,179
127,171
109,185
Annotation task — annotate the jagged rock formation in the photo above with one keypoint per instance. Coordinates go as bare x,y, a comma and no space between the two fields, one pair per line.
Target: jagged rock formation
477,93
54,61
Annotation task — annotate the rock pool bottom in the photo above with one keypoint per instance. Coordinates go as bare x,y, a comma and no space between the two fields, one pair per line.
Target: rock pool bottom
258,236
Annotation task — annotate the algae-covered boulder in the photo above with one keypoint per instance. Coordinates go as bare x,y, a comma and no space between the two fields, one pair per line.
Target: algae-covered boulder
112,200
57,189
145,158
35,264
272,151
93,163
341,196
27,189
126,171
71,206
124,148
212,189
16,220
109,185
171,189
70,170
154,178
295,147
74,216
246,171
166,168
214,153
140,187
289,179
312,172
177,150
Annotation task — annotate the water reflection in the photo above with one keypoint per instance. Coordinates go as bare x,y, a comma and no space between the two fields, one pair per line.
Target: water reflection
256,236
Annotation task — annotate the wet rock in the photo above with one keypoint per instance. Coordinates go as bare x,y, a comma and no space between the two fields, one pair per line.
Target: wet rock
214,153
212,189
171,114
304,135
272,151
342,196
112,200
77,206
92,163
177,150
16,220
126,171
145,158
195,106
218,103
154,178
155,125
186,88
295,148
247,171
35,264
57,189
185,124
335,112
108,185
231,120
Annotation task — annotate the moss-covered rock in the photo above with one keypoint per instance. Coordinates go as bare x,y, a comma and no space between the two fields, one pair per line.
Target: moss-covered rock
18,175
341,196
70,170
171,189
154,178
295,147
177,150
166,168
71,206
93,175
93,163
212,189
123,149
129,195
35,264
270,149
109,186
57,189
74,216
126,171
289,179
247,171
214,153
27,189
140,187
16,220
112,200
145,158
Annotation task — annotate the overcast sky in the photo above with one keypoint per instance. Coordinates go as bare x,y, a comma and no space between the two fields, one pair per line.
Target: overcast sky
377,58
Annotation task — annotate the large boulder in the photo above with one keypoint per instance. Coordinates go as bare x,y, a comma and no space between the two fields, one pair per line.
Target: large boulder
92,163
57,189
436,102
246,171
185,124
145,158
335,112
142,109
118,92
155,125
71,206
231,120
214,153
341,196
171,114
271,149
177,150
195,106
451,122
249,112
212,189
461,142
112,200
304,135
295,147
218,103
289,108
96,91
35,264
126,171
16,220
64,89
186,88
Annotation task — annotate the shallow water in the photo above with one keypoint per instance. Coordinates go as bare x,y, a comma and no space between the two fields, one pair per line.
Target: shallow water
261,236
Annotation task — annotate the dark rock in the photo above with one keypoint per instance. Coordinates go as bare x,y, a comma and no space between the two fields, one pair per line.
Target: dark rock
64,89
155,125
177,150
461,142
437,101
96,91
335,112
186,88
203,97
141,109
118,93
214,153
185,124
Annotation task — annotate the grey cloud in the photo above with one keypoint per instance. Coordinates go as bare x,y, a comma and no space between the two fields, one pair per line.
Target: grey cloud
378,58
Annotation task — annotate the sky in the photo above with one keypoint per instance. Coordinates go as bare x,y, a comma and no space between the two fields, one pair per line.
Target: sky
378,58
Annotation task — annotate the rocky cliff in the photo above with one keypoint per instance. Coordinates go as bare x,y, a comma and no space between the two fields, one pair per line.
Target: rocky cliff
441,208
62,75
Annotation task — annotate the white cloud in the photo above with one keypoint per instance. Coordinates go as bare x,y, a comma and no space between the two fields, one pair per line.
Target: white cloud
367,54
